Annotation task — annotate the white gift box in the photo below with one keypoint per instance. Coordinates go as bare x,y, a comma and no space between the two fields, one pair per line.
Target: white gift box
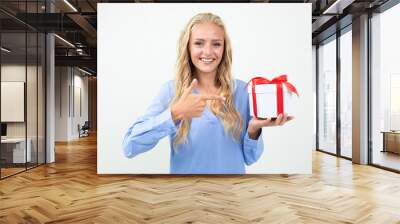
267,101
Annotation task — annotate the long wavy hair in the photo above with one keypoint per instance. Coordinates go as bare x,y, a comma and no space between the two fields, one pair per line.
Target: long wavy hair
230,117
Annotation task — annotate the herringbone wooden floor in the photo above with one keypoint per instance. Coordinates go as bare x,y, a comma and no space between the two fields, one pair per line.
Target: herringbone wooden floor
70,191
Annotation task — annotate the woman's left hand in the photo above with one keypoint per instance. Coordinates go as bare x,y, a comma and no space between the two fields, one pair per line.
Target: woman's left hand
256,124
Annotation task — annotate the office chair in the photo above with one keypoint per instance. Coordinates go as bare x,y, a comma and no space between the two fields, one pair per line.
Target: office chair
84,130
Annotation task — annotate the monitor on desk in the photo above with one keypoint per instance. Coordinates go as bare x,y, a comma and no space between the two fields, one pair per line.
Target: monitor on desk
3,130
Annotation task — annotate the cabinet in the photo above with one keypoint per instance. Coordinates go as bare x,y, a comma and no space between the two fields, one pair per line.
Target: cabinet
391,141
13,150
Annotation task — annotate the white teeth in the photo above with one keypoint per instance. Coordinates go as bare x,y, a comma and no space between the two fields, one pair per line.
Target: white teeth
206,60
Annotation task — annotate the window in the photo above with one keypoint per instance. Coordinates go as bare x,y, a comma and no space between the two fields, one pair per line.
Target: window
346,93
385,89
327,96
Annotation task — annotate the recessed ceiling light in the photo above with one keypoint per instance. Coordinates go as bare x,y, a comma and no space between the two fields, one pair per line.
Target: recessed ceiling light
5,50
338,6
64,40
70,5
86,72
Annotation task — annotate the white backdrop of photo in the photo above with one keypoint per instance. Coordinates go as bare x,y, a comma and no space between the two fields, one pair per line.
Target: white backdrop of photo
137,48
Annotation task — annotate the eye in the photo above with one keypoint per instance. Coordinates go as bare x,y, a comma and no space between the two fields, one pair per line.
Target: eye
198,43
216,44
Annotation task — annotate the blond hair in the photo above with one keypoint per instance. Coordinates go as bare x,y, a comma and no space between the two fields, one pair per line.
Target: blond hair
230,117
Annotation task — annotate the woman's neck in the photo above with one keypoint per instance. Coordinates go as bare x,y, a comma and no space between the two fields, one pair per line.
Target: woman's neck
207,80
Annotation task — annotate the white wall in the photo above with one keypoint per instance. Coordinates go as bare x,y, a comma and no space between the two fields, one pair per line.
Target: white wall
68,83
133,64
80,102
34,125
61,103
15,72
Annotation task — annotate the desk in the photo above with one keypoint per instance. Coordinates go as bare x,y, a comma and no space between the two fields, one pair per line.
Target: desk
391,141
17,150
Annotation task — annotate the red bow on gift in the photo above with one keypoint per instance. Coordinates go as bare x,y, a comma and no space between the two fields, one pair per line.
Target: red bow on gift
279,81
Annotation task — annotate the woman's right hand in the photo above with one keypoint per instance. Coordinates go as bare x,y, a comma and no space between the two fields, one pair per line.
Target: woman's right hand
190,104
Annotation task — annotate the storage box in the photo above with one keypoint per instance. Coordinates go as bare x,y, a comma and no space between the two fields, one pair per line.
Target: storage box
268,98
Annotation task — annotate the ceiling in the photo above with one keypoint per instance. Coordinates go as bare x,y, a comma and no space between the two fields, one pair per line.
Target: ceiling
76,22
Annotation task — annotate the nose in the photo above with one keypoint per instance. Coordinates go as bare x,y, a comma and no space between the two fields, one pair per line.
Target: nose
207,49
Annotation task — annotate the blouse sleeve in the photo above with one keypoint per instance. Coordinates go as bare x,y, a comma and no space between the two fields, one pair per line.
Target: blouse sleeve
252,149
154,125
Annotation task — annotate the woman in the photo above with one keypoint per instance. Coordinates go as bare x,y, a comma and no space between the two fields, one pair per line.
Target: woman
205,112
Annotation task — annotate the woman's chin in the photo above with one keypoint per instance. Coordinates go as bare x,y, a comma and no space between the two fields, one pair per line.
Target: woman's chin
207,70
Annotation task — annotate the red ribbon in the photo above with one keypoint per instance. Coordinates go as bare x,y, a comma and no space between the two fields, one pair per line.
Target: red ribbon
279,81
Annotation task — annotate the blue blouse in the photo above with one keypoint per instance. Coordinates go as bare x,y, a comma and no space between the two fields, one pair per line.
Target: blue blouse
208,149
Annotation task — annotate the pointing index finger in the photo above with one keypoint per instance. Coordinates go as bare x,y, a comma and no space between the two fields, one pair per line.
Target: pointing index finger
189,89
212,97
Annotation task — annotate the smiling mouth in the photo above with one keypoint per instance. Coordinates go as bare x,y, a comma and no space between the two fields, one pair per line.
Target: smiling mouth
207,60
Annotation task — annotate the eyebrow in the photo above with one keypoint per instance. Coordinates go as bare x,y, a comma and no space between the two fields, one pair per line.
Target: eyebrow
215,40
